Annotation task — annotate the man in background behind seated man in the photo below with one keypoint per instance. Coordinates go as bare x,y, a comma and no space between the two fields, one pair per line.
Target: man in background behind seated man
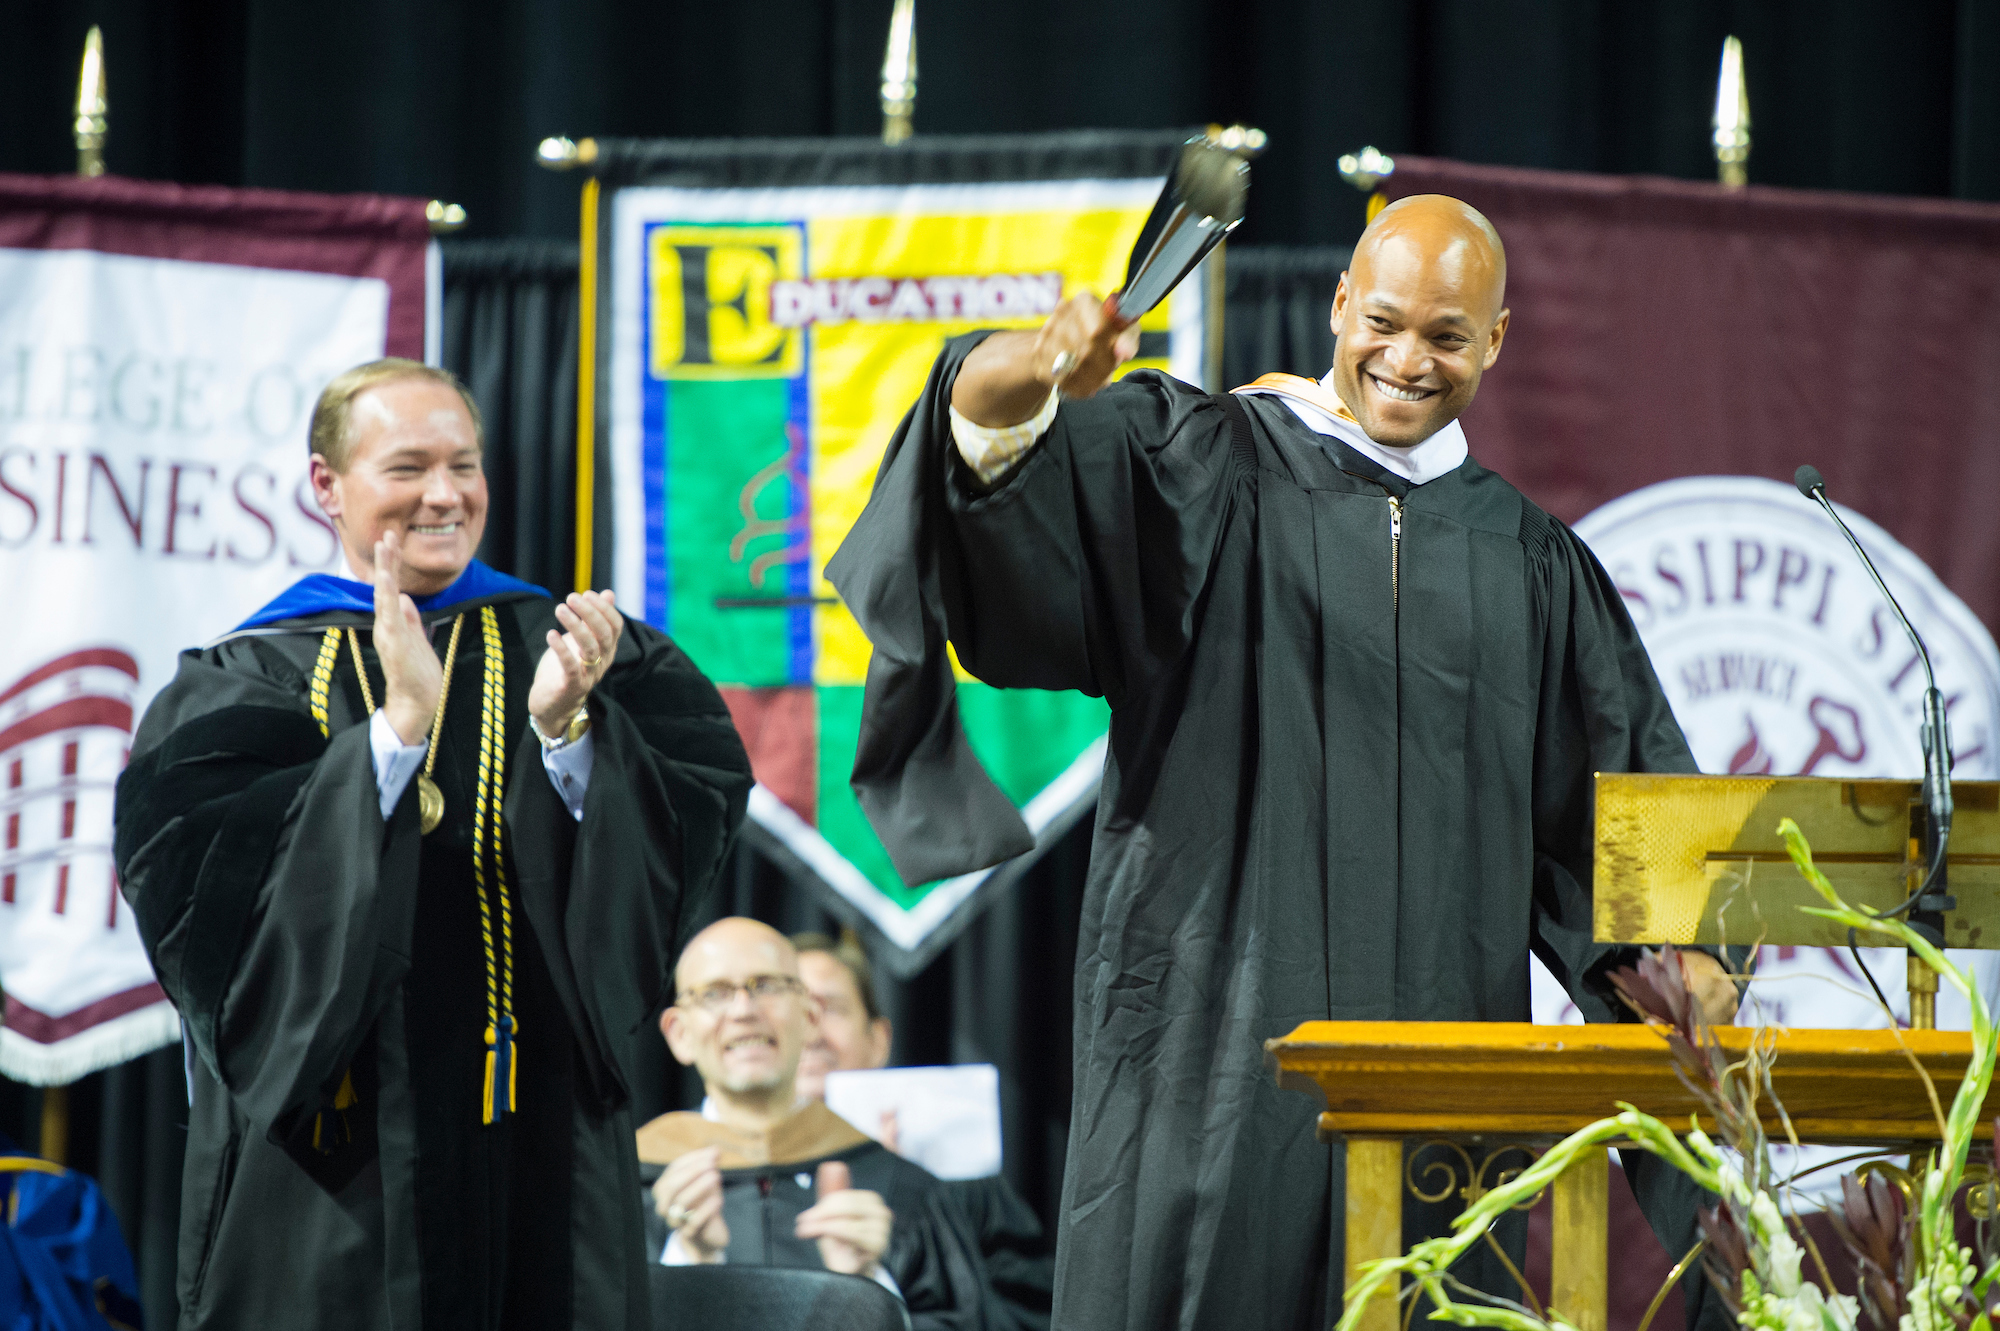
760,1178
853,1036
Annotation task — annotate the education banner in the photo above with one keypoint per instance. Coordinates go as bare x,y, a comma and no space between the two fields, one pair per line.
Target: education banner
764,342
160,350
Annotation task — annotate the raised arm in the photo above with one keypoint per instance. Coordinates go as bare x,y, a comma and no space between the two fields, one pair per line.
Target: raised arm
1008,378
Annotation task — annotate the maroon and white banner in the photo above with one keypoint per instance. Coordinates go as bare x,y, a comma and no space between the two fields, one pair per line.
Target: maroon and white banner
160,351
1676,351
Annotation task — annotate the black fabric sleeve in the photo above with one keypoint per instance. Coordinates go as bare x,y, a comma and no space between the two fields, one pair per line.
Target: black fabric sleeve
275,905
934,1256
1020,1260
1601,710
1080,569
613,898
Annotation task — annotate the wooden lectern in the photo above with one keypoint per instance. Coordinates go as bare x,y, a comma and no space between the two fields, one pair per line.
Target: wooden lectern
1680,859
1500,1082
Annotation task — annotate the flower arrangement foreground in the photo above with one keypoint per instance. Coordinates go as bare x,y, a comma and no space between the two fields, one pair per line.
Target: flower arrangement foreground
1913,1273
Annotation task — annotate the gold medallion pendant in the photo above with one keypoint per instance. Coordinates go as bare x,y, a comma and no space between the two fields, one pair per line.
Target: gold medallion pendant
430,800
430,805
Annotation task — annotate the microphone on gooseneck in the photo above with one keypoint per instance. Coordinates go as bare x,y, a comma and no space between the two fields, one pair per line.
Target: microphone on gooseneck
1931,899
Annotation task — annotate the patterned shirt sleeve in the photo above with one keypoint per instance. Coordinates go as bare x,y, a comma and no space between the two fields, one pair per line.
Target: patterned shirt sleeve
991,450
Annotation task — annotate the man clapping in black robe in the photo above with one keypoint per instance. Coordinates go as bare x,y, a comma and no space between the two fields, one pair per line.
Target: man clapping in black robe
1359,687
762,1178
411,909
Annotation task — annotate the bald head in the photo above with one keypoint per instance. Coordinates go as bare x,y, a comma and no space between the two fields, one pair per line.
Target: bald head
732,945
1420,314
1448,236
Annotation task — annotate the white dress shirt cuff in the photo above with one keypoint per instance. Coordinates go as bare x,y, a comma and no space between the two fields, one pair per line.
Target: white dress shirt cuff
395,761
676,1255
569,772
991,449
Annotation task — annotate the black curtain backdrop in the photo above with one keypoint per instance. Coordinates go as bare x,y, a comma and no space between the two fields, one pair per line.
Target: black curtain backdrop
447,98
1277,309
510,323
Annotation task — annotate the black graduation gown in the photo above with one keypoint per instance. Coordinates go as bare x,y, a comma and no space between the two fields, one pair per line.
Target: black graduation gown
1349,777
302,938
1020,1268
933,1255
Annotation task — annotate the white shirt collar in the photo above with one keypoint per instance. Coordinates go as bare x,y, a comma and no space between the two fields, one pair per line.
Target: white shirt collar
1436,456
713,1112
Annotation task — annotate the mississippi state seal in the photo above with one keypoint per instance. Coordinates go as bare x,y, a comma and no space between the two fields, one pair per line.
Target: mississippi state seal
1776,651
1781,658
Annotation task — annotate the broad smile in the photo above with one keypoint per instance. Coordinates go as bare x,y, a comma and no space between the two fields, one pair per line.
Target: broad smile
435,529
749,1044
1396,393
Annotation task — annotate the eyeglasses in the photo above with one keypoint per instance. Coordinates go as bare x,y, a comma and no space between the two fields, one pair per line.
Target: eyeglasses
715,999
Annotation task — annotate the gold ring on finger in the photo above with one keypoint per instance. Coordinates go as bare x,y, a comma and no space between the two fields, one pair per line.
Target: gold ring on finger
677,1216
592,662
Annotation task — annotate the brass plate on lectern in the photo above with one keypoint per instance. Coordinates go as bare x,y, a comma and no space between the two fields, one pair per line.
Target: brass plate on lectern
1698,859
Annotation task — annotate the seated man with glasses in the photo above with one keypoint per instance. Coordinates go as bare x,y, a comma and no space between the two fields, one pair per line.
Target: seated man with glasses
761,1177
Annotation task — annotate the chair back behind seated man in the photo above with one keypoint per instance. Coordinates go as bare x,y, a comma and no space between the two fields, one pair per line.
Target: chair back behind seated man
758,1178
723,1298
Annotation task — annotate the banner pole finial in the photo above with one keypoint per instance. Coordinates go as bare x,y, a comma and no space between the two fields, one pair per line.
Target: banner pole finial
1732,117
899,73
93,119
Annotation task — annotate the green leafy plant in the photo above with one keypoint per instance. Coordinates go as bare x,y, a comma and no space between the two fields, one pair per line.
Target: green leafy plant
1914,1274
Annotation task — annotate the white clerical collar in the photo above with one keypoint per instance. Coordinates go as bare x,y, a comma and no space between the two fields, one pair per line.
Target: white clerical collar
1436,456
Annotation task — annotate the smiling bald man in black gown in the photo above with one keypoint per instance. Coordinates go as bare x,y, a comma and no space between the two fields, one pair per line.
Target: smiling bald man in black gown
1359,686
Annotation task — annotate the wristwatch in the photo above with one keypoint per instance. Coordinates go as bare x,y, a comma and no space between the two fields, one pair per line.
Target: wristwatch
572,732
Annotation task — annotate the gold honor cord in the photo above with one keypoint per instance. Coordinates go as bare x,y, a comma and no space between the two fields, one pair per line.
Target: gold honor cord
498,1100
322,677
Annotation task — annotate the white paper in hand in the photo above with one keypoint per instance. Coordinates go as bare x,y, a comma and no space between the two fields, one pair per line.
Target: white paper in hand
947,1119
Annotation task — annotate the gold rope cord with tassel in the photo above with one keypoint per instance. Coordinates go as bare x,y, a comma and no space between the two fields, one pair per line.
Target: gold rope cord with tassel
498,1100
322,678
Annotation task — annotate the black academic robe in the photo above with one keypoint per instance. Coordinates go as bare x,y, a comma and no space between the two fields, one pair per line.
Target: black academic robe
1020,1267
308,944
1349,777
933,1255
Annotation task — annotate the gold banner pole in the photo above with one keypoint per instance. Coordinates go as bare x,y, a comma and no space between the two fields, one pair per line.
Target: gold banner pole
1247,142
55,1124
586,387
